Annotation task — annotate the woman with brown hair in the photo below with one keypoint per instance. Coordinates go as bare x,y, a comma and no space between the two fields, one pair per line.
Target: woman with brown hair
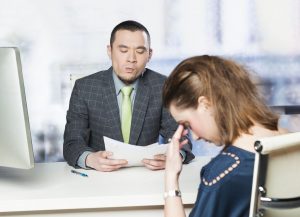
216,100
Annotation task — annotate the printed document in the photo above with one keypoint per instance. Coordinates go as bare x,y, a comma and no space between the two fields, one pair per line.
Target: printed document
132,153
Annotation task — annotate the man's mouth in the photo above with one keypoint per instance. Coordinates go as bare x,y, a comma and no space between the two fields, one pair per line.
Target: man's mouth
129,69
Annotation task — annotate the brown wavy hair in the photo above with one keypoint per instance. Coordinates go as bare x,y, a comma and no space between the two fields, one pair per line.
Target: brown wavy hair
228,87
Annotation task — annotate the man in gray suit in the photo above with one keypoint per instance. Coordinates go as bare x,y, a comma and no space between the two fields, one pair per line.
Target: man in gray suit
97,101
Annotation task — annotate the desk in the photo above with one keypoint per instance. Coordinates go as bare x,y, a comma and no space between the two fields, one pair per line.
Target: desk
50,189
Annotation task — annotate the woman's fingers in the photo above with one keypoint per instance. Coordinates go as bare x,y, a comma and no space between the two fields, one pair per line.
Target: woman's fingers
178,133
183,142
175,141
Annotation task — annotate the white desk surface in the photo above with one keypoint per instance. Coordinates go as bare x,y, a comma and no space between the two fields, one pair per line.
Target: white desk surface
52,186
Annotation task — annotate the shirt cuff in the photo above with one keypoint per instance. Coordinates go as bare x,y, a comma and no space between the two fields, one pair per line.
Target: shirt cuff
183,155
82,158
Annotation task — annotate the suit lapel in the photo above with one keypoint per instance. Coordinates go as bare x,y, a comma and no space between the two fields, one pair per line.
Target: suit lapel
139,110
111,106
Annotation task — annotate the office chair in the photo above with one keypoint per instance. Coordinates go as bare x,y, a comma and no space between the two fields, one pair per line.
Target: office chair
276,177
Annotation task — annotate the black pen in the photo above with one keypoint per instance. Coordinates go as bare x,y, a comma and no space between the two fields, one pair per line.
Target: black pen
79,173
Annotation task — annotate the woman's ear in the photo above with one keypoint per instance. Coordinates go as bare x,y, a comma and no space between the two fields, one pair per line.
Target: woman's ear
203,103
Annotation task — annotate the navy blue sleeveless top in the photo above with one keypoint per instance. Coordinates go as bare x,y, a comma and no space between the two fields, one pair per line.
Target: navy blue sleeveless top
226,182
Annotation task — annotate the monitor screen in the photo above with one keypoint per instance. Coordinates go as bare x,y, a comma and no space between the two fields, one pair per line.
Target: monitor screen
15,139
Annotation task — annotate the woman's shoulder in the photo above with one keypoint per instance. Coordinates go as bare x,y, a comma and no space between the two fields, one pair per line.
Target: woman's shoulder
226,178
230,163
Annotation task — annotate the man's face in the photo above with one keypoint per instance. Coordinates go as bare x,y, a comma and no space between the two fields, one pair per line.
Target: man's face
129,54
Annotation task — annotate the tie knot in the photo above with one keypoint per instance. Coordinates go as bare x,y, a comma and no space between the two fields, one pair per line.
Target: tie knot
127,90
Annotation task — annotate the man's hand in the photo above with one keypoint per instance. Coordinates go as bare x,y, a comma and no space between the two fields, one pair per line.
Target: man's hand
100,161
158,163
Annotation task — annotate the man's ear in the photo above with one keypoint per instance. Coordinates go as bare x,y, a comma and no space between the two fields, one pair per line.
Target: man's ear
150,54
109,51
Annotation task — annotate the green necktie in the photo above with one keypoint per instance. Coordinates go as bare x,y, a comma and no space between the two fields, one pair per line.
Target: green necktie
126,112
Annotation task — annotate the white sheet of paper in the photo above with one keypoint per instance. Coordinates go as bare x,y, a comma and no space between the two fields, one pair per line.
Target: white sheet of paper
132,153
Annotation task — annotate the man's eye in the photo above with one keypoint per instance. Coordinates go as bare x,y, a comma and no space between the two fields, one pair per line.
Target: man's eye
123,50
140,51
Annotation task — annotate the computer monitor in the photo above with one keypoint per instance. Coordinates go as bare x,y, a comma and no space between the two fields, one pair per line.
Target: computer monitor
15,139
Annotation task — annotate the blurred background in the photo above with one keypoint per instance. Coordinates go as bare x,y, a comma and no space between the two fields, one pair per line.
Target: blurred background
58,38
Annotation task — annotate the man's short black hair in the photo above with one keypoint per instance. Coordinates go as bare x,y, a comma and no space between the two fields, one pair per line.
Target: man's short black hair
129,25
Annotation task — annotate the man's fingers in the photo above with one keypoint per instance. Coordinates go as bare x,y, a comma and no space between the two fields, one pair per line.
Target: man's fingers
150,167
160,157
113,162
101,161
106,154
154,164
107,165
106,159
109,168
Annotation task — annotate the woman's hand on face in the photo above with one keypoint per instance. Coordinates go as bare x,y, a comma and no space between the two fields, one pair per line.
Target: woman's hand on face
174,160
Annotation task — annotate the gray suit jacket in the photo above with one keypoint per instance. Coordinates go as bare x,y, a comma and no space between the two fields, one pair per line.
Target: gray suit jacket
94,113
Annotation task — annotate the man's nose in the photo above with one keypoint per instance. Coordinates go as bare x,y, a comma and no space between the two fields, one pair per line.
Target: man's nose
131,56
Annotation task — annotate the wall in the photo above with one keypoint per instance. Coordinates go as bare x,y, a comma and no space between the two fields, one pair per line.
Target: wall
61,37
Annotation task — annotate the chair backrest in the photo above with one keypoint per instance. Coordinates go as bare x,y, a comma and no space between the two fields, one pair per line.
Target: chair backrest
276,177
